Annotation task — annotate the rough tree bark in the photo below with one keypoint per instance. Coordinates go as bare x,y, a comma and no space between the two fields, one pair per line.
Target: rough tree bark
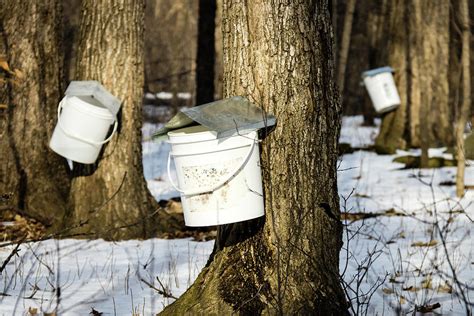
421,61
280,55
31,43
113,193
466,97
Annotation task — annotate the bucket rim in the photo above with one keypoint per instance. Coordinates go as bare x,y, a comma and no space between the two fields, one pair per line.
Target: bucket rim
87,108
201,134
191,134
377,71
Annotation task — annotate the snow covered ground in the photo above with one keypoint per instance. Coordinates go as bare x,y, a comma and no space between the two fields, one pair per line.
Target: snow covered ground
395,262
407,258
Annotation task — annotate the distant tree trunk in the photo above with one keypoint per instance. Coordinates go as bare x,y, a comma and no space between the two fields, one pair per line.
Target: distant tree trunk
421,61
113,193
334,21
392,133
205,52
218,62
366,51
280,56
345,45
466,97
170,48
31,42
71,18
375,34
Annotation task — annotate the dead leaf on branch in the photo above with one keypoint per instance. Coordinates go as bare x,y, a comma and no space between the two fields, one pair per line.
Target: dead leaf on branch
4,64
14,76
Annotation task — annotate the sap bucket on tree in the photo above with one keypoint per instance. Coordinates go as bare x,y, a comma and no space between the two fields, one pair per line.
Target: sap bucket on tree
85,116
218,162
381,88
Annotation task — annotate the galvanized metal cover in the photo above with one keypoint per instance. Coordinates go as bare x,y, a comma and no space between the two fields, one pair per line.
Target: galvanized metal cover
227,117
92,88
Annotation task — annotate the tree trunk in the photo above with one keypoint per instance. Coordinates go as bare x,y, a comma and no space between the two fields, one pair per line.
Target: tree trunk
466,97
345,45
112,194
31,42
366,51
280,55
421,61
71,18
205,52
170,48
393,129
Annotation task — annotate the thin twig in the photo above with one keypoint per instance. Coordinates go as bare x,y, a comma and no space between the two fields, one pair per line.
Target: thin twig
10,256
163,292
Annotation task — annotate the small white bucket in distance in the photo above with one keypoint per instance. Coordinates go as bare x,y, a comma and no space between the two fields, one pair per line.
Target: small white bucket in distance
81,130
382,90
219,179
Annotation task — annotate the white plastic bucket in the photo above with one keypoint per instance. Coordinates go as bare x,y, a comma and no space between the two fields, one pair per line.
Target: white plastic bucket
219,178
82,128
381,88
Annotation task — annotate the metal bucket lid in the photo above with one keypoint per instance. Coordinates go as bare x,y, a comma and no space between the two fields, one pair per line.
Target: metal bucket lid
94,89
227,117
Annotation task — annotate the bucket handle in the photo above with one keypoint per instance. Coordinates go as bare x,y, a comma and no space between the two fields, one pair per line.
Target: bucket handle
72,135
216,186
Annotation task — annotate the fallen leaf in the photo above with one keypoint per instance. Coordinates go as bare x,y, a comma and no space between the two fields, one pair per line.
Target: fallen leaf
426,283
431,243
428,308
357,216
411,288
388,291
446,288
394,280
95,313
361,195
32,311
